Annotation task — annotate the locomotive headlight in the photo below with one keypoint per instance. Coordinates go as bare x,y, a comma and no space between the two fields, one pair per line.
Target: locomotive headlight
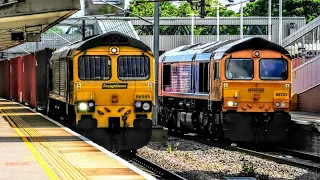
91,104
235,103
146,106
83,106
277,104
257,54
114,50
287,86
283,104
230,103
138,104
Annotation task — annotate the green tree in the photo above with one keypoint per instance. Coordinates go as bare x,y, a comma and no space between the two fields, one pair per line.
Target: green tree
145,9
167,9
107,9
307,8
54,29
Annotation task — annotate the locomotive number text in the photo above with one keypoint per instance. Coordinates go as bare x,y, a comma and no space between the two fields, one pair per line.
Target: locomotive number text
281,94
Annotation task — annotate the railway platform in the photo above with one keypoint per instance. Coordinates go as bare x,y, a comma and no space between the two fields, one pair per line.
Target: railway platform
307,119
35,147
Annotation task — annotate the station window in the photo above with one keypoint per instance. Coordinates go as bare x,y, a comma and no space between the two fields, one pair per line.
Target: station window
94,67
203,77
133,67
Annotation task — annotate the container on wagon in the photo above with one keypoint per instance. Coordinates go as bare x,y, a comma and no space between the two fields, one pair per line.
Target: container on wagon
4,79
29,75
41,78
16,79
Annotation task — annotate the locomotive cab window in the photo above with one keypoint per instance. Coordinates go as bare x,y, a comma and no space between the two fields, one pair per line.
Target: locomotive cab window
217,71
166,76
239,69
94,67
133,67
273,69
203,78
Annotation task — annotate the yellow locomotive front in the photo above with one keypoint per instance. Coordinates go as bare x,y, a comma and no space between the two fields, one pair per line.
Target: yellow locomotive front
256,93
111,90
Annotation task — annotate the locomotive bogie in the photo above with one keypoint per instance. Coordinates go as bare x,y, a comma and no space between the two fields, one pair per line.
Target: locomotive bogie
253,127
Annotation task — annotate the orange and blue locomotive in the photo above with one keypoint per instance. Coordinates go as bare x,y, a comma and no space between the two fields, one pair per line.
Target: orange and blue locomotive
237,89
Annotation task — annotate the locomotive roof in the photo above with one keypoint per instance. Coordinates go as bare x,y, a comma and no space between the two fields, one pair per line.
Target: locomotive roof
112,38
216,50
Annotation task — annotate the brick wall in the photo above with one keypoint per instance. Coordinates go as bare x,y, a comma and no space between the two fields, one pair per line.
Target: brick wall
309,101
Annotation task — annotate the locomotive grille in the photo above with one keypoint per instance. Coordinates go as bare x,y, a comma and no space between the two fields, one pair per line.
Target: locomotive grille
133,67
59,69
94,67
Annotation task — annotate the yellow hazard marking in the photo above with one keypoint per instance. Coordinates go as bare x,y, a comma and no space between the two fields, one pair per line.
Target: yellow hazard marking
36,154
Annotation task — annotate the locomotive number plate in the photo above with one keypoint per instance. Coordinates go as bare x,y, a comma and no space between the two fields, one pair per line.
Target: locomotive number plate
142,95
256,90
114,85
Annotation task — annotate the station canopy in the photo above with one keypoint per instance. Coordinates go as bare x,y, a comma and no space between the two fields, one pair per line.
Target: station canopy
24,20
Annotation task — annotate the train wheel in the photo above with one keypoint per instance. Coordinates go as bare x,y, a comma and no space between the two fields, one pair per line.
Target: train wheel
171,131
49,110
127,152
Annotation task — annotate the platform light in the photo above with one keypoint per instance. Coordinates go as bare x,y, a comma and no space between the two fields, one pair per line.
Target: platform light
83,106
230,103
146,106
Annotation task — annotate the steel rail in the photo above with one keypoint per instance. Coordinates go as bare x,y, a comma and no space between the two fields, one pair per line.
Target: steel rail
305,160
162,172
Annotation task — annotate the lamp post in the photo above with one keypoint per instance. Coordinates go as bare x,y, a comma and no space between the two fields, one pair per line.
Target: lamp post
218,24
241,13
269,20
280,22
241,21
192,27
156,33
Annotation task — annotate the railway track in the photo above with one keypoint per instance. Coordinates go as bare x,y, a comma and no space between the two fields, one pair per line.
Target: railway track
279,155
151,168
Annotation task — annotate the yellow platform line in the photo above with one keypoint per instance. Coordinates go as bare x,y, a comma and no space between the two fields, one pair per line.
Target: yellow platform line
61,165
36,154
